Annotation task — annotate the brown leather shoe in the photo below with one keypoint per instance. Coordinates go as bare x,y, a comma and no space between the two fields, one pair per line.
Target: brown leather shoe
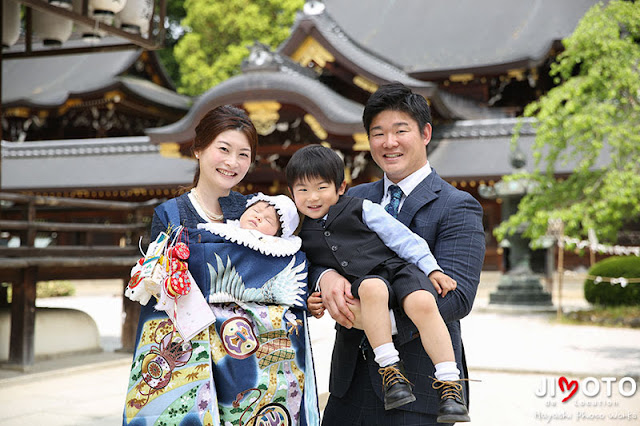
452,406
396,387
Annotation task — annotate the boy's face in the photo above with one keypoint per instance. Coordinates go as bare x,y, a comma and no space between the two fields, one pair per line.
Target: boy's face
261,217
314,196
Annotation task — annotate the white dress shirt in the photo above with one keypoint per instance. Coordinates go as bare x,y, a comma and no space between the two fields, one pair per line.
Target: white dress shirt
407,185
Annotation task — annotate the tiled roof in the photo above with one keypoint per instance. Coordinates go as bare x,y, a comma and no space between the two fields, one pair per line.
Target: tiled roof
365,61
443,35
48,81
277,79
482,149
90,163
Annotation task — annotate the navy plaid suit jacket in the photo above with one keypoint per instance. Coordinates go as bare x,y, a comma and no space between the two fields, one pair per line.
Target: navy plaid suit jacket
450,221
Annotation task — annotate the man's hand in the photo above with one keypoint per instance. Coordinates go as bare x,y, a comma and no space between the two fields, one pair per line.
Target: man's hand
314,303
354,307
443,283
336,290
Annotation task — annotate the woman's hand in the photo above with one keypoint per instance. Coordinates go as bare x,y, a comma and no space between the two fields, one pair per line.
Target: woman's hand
314,303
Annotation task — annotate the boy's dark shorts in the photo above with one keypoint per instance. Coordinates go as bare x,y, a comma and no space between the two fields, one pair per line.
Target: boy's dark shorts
402,278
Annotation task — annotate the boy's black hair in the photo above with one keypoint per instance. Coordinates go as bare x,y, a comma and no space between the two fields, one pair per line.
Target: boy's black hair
315,161
396,97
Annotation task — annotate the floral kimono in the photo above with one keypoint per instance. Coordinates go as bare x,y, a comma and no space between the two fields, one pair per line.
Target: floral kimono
253,365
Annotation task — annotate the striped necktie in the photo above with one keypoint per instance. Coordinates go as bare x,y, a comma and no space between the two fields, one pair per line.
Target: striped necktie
396,194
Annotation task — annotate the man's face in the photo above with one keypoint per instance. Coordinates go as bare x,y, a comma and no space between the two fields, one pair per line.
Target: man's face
398,145
314,196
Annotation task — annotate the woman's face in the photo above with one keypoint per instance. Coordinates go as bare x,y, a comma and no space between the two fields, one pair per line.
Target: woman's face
225,161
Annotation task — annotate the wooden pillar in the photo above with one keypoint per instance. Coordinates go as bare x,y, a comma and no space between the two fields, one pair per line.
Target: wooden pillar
23,319
4,296
31,232
131,311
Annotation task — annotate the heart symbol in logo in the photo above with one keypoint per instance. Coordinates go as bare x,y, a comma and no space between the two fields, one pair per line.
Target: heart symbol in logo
571,386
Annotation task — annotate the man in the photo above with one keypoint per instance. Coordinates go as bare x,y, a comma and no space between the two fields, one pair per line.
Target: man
398,123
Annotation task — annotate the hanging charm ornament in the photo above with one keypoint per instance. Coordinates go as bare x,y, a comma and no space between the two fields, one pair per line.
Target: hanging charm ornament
163,273
212,216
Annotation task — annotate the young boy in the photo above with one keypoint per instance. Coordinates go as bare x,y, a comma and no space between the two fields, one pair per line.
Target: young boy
378,255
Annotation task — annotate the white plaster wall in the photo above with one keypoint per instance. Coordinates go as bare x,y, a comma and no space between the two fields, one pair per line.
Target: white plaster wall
57,331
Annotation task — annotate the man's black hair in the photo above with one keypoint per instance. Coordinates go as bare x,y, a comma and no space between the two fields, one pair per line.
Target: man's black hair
315,161
396,97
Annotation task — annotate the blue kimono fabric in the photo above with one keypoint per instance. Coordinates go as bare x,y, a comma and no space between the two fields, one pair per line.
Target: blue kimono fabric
253,366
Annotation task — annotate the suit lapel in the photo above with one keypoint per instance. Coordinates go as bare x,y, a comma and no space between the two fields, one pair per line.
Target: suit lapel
337,208
375,192
423,194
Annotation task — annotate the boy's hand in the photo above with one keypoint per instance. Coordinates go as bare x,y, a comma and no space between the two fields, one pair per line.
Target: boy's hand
314,303
442,283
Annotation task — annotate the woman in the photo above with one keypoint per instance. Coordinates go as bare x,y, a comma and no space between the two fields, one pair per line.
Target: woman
253,365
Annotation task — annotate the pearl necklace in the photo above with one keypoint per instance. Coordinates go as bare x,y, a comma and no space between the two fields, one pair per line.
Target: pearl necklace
211,216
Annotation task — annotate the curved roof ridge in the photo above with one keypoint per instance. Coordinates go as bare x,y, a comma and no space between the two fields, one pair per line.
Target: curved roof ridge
331,109
448,105
370,61
152,91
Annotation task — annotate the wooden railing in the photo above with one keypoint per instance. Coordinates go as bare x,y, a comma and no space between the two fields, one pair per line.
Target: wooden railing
87,239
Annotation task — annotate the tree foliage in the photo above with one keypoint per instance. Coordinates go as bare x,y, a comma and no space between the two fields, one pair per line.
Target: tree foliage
593,112
218,33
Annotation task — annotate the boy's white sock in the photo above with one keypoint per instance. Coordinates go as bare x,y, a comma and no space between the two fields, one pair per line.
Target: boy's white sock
447,371
386,354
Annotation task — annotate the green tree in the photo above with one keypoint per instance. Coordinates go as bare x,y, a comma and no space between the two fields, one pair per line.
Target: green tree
218,33
593,111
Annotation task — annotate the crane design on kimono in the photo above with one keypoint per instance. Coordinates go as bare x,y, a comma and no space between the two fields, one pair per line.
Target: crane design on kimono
288,287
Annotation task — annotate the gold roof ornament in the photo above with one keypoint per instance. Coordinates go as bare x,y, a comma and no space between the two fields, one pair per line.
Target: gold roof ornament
362,142
264,115
311,50
317,129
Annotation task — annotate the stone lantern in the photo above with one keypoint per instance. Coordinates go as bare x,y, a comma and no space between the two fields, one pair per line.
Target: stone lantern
519,287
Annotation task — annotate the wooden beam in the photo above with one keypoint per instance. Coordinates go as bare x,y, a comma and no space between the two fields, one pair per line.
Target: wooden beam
145,43
69,251
76,202
70,51
32,226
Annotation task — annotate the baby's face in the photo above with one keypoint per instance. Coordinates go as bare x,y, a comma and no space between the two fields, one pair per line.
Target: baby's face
262,217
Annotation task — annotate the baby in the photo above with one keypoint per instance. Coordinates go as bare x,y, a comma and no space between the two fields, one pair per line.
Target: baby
267,225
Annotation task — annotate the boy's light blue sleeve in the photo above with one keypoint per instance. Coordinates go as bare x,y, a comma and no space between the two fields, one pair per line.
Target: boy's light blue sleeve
398,237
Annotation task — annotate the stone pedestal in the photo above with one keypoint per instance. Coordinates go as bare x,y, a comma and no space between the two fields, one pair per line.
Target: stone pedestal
520,289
